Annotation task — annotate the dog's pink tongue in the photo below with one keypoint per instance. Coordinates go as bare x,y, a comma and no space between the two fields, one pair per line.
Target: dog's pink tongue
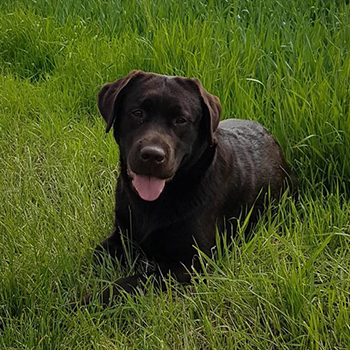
149,188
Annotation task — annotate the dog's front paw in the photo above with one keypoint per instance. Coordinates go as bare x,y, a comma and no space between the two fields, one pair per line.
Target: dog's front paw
110,294
127,284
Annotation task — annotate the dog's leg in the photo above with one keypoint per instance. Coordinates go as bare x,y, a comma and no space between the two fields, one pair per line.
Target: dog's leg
114,245
177,270
127,284
110,294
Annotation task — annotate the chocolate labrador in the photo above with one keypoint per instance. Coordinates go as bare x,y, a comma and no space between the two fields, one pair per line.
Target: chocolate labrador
182,173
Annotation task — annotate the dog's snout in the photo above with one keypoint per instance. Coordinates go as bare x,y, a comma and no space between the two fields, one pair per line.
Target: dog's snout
152,154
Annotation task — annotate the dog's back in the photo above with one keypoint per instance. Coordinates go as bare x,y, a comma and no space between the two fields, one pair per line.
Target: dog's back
255,165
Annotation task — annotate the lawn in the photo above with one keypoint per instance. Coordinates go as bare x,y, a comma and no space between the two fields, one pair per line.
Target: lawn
284,64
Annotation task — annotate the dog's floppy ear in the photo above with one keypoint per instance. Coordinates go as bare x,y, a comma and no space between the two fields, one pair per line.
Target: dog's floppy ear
213,111
108,96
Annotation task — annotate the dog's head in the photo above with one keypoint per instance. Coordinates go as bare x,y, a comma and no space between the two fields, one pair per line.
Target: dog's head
160,123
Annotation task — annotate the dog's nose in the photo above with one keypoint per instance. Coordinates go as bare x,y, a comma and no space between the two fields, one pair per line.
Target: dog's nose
152,154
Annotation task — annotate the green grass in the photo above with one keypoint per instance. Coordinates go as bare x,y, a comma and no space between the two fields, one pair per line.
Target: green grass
285,64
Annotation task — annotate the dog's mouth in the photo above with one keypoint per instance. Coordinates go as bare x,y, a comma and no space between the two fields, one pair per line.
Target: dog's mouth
149,188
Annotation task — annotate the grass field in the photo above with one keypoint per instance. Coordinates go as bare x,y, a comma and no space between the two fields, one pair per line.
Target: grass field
285,64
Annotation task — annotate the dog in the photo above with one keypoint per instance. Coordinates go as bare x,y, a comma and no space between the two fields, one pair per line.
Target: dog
183,173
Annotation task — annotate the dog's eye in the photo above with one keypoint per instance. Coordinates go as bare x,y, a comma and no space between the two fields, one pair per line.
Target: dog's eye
180,121
137,113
